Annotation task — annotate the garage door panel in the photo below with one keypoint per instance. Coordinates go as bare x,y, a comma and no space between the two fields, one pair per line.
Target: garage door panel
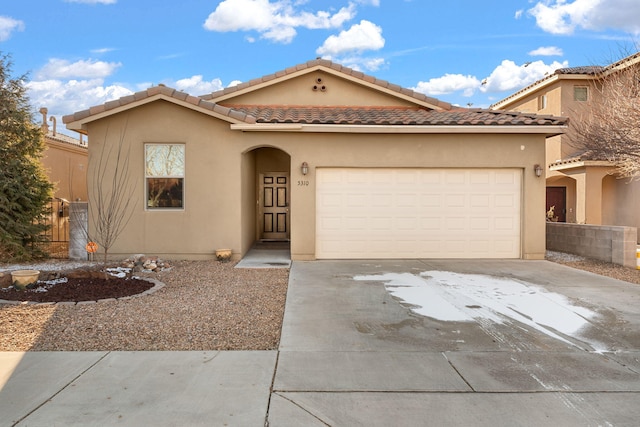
481,178
418,213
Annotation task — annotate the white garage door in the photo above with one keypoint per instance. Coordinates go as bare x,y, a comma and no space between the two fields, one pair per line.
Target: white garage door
418,213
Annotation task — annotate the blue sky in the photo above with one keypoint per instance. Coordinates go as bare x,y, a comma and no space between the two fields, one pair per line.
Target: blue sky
80,53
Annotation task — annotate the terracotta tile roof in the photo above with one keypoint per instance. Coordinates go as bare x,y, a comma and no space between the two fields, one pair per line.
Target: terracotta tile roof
59,137
590,70
584,155
444,115
153,91
392,116
624,62
337,67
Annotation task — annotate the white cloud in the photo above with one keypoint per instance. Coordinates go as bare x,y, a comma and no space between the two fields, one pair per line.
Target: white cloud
372,64
89,69
102,50
196,85
276,21
449,83
508,76
547,51
8,25
360,37
564,17
359,63
66,97
519,13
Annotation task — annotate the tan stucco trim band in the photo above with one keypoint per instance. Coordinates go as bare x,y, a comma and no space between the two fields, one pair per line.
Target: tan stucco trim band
299,127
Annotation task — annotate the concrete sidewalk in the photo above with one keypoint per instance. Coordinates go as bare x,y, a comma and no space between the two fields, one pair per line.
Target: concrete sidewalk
351,354
135,388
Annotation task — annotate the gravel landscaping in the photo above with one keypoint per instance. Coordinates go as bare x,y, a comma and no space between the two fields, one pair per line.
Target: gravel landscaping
204,305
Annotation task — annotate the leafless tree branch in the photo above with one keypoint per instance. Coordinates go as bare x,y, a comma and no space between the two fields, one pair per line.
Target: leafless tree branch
608,127
111,200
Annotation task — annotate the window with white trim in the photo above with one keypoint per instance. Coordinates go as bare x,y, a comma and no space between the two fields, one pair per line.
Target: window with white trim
164,176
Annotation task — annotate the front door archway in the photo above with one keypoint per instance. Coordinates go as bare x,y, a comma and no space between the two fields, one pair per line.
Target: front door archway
271,173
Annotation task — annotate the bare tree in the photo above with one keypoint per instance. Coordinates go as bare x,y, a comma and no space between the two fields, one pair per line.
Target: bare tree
608,127
111,195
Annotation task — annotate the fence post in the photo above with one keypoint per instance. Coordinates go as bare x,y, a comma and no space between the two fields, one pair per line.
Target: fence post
78,226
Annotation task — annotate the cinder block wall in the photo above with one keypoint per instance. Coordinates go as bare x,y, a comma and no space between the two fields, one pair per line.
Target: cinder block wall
603,242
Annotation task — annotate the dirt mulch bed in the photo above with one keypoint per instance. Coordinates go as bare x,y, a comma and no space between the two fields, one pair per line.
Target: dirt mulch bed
78,289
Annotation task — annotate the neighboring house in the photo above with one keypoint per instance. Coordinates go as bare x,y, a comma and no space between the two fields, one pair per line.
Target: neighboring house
580,189
65,160
340,163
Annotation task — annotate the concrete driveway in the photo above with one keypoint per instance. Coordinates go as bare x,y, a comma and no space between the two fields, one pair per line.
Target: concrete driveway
353,354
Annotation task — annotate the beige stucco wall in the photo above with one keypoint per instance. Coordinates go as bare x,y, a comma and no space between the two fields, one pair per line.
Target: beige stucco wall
621,202
211,218
66,167
222,166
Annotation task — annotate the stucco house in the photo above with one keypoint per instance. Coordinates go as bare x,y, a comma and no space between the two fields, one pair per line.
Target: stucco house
581,189
65,160
339,163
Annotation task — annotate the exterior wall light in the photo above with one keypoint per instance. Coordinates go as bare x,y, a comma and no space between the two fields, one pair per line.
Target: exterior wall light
537,169
304,168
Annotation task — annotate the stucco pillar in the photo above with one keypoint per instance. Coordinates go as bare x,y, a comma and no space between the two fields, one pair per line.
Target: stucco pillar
595,175
593,199
581,195
588,193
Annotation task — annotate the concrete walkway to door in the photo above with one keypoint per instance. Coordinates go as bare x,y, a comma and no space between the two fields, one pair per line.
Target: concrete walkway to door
352,354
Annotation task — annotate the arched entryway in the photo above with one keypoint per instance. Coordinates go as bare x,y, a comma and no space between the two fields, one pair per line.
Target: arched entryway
270,171
561,195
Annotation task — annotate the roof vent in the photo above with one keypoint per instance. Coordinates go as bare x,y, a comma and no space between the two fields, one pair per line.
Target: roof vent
319,86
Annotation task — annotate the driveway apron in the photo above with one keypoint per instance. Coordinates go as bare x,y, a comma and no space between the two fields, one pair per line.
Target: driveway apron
351,353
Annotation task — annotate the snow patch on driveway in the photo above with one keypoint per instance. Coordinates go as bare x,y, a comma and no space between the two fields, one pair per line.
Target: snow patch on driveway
449,296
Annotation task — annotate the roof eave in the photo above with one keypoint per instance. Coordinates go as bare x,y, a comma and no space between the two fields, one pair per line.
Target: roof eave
201,106
578,164
537,86
548,130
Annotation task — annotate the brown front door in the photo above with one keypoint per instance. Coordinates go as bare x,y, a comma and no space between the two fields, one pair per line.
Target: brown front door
274,206
557,197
